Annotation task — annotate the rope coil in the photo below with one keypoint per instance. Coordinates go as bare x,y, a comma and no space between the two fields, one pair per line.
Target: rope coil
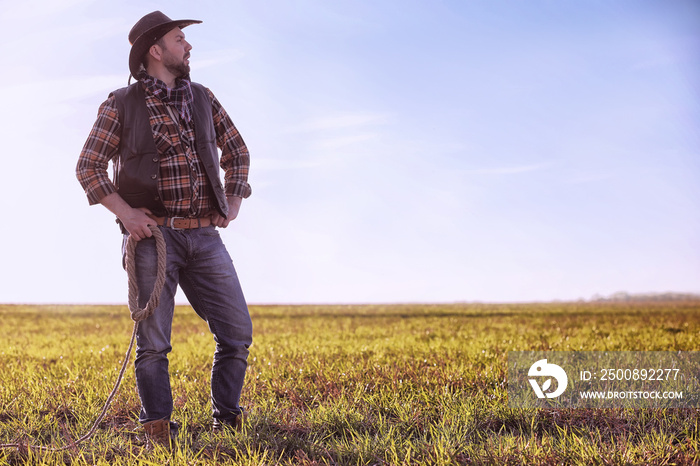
137,315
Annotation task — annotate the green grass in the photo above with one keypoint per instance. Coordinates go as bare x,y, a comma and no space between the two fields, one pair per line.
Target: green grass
405,384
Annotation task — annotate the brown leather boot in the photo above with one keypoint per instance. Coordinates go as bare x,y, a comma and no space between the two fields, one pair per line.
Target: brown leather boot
158,433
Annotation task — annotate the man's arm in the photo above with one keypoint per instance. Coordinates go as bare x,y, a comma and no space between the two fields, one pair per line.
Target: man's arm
102,146
235,162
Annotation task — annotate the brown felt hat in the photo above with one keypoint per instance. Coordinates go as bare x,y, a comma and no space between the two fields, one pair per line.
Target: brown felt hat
146,32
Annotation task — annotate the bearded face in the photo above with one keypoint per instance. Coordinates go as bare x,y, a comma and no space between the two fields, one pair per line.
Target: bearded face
173,51
178,66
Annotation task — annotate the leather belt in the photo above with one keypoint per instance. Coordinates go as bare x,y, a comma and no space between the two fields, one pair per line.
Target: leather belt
182,223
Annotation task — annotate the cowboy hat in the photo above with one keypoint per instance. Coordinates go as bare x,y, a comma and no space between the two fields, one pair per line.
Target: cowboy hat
146,32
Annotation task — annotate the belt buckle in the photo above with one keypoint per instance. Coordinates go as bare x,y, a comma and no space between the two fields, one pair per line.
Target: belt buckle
171,222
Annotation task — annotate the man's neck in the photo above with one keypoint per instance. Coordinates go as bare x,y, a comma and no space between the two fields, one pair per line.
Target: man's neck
164,75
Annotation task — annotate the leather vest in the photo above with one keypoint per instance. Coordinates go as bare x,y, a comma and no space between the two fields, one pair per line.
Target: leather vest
137,168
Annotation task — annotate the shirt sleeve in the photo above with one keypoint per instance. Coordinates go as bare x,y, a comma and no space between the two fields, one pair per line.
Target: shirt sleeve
235,160
101,146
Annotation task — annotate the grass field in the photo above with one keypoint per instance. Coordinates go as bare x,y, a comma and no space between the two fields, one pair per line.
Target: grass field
404,384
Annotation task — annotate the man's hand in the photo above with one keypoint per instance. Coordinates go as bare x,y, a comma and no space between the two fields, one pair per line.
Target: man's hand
136,221
234,205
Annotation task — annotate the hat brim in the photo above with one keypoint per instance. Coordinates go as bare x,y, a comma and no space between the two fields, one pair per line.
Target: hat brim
148,38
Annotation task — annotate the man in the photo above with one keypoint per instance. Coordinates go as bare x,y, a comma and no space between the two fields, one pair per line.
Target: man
162,133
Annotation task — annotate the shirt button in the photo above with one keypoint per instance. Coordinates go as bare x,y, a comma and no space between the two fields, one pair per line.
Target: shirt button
155,159
153,177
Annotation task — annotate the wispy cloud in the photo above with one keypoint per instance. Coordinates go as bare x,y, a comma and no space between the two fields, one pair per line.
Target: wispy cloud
24,97
210,59
658,61
71,88
342,121
268,163
582,178
330,139
335,143
511,170
37,8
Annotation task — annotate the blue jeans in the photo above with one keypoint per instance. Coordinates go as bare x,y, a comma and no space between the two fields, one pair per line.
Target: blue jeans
197,261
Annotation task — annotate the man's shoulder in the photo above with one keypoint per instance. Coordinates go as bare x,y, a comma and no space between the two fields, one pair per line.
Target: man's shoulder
122,91
200,87
124,97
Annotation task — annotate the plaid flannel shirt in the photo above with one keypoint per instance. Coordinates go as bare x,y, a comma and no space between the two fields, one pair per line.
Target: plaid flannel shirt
182,184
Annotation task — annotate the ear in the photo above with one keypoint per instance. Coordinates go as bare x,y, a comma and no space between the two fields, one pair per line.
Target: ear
155,51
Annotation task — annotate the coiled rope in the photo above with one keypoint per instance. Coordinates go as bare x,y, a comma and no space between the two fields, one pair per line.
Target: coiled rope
137,315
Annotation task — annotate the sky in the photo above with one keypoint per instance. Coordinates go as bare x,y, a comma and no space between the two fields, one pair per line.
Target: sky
401,150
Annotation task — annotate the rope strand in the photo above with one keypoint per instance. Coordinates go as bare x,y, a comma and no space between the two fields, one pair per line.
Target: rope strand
137,315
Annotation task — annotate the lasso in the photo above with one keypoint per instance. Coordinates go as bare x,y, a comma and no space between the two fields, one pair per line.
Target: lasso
137,315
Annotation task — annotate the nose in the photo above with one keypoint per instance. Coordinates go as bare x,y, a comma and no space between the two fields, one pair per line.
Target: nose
188,46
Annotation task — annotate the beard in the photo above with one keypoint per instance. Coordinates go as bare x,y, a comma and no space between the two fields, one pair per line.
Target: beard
177,67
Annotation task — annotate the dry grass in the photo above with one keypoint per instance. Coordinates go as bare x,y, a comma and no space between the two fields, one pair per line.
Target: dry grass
405,384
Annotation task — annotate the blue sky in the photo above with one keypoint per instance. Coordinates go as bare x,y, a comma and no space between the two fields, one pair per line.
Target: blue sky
402,151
